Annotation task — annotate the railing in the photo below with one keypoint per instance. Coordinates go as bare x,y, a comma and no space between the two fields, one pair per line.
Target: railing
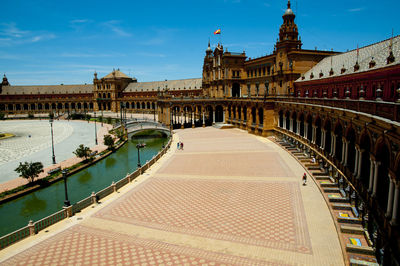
34,227
49,220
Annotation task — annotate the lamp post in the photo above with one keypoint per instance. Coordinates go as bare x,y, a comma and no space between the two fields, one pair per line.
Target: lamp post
138,147
52,141
64,174
95,129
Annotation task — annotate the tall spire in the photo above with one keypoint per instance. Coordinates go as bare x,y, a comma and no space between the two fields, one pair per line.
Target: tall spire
288,4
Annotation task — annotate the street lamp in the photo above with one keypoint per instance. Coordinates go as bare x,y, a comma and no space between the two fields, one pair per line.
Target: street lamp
95,129
138,147
64,174
52,141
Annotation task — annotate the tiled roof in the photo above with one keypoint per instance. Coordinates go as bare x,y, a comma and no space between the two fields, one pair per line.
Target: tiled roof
181,84
116,74
47,89
377,52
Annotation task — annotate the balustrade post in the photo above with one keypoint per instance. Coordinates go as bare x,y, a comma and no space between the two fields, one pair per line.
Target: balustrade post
68,211
94,198
31,226
114,186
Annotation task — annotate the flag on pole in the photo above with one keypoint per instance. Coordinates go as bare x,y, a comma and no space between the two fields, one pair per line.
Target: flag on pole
217,32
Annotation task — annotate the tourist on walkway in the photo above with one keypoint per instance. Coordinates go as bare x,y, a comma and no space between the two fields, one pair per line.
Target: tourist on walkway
178,145
181,145
304,179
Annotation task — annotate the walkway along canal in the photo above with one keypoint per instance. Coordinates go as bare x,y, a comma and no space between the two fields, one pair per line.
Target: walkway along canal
39,204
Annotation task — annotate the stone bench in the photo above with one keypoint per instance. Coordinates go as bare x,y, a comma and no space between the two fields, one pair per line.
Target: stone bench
357,262
355,230
336,198
360,250
341,206
52,171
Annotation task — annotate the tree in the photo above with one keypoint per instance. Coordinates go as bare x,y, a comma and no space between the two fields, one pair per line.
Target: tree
83,152
108,119
29,170
109,142
120,133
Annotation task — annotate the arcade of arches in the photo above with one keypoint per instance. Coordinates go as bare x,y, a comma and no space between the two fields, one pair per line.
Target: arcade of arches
362,153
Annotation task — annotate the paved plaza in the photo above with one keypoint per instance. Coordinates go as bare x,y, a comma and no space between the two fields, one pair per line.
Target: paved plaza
228,198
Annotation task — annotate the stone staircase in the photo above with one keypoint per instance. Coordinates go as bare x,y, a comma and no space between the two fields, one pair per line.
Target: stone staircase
354,238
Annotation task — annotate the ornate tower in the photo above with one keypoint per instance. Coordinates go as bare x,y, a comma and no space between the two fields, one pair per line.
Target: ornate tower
288,33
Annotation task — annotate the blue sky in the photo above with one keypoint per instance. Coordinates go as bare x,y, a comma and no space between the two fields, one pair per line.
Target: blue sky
54,42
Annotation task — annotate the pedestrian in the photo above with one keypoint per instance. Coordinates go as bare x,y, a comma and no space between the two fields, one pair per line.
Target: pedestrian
304,179
178,145
181,145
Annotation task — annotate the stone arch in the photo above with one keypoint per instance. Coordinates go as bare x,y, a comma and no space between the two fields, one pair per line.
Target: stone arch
317,124
309,126
260,116
383,158
338,130
328,134
294,119
236,90
301,120
280,114
148,106
143,105
365,146
351,136
219,113
137,105
253,114
287,120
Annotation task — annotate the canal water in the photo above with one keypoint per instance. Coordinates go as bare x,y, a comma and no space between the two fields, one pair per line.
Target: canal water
39,204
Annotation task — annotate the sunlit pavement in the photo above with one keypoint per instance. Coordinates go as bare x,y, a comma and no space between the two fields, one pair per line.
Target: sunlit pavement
228,198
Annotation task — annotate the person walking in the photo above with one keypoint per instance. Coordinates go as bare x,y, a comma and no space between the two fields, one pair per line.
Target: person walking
181,145
178,145
304,179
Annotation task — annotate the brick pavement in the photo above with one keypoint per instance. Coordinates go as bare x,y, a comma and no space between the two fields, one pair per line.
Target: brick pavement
192,212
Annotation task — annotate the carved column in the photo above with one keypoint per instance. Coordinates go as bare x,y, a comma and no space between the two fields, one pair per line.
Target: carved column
355,168
284,121
395,212
375,178
291,124
390,198
371,173
298,128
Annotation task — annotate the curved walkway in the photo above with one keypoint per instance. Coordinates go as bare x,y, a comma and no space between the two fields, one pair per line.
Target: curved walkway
227,198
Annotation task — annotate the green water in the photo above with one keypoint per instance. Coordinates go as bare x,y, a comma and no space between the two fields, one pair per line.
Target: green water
37,205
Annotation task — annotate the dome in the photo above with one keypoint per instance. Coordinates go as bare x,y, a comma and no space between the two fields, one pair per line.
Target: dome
289,11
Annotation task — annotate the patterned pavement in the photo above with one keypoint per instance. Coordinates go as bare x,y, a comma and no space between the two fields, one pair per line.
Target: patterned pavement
229,198
244,213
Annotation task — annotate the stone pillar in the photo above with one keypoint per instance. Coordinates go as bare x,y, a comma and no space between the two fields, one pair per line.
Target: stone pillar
94,198
355,168
360,157
298,128
257,119
323,134
375,178
343,150
223,116
334,145
306,130
390,198
346,152
114,186
204,121
213,117
395,211
284,121
291,124
371,173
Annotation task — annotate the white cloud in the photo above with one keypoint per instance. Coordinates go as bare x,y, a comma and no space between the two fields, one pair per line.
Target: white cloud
358,9
10,34
113,25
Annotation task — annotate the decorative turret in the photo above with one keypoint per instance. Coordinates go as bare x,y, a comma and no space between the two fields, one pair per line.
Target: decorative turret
209,50
5,81
95,75
288,33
